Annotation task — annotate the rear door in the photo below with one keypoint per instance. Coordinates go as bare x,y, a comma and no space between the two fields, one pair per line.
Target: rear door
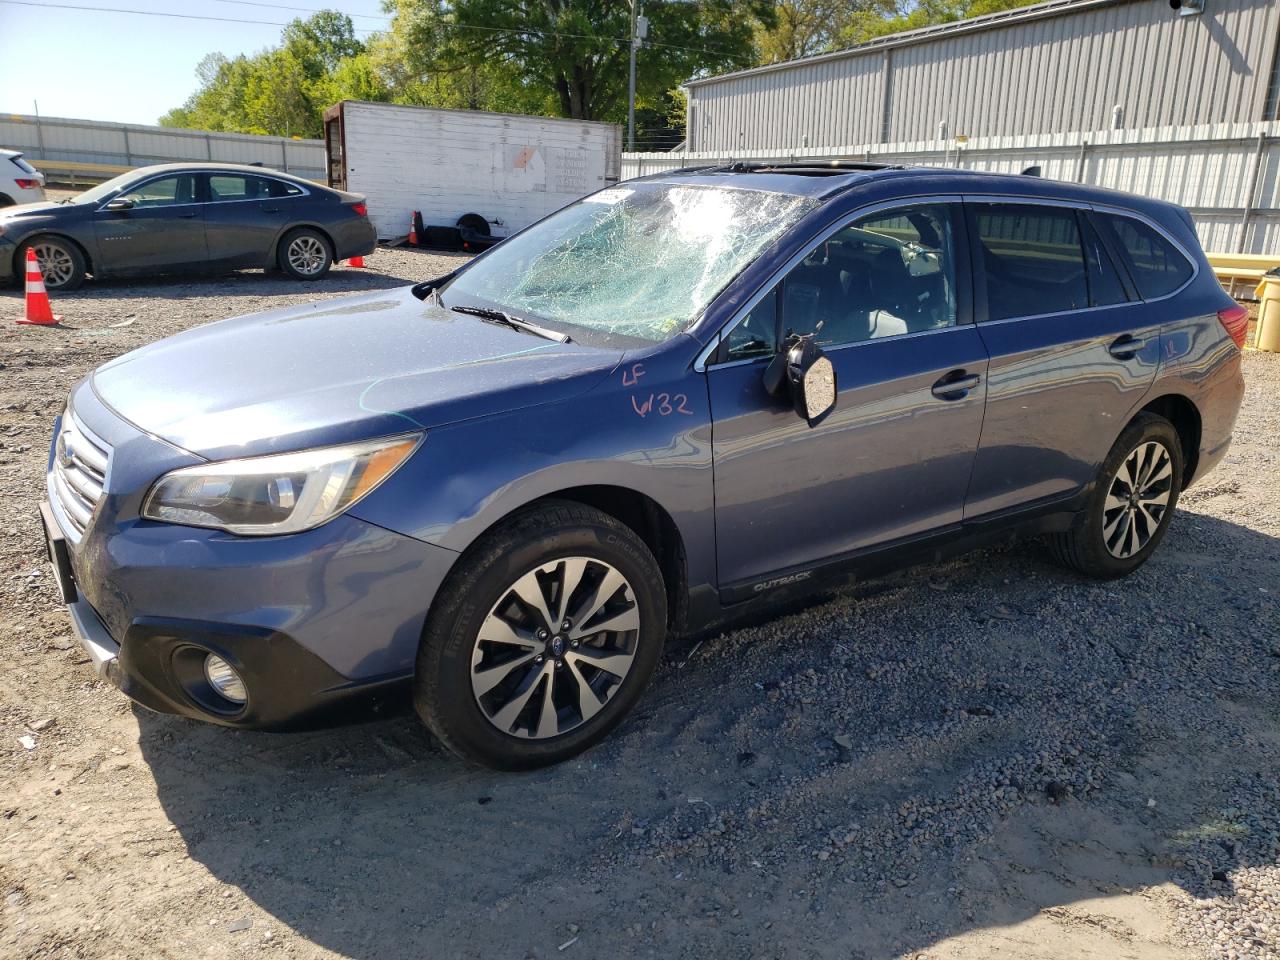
1072,351
164,230
244,216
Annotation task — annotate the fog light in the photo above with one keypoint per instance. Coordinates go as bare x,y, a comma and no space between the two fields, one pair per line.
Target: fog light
224,679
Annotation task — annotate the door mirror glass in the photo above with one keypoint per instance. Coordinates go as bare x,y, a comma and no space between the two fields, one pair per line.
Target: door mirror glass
808,376
117,206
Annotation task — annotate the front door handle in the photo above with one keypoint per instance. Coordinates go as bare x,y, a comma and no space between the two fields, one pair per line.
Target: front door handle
956,385
270,209
187,216
1126,347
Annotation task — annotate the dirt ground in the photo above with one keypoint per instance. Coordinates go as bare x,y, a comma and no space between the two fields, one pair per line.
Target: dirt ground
989,758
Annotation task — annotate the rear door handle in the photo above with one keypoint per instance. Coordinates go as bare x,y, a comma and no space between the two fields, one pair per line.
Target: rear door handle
1126,347
270,209
187,216
956,385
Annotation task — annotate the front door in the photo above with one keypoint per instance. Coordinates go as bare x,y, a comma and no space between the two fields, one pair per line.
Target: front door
163,230
888,296
1071,352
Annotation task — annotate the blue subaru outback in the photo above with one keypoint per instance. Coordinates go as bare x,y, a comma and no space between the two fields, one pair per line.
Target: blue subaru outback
647,413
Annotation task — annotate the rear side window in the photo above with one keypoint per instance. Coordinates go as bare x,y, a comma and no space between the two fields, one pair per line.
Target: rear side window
1032,258
23,165
1157,266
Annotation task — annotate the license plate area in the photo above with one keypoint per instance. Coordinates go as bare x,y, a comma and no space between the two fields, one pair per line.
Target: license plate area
59,556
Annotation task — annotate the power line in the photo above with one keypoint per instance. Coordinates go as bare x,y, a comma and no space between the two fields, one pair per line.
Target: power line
281,6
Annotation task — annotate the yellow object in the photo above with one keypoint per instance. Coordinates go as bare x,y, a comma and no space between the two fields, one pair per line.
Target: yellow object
1268,335
1233,268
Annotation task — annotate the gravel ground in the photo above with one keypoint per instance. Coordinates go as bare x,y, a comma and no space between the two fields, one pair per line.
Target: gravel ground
990,758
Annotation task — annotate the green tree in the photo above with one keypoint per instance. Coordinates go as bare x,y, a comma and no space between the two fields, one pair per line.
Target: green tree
884,17
572,55
283,91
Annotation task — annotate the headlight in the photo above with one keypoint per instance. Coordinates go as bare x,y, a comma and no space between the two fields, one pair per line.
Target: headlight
281,493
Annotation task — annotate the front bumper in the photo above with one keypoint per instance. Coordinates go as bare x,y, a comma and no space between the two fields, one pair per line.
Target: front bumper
8,250
307,619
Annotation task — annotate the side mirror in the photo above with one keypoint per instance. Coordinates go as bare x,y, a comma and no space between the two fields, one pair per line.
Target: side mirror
118,206
808,375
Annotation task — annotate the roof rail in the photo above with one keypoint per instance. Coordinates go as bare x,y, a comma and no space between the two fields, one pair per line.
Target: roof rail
810,167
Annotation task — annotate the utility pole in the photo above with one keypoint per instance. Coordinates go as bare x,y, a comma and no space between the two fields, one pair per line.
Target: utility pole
639,30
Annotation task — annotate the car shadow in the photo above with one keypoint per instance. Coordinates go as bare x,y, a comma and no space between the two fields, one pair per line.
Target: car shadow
962,747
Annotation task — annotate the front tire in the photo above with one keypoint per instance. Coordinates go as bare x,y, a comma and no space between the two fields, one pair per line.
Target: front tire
1132,503
61,263
305,254
542,639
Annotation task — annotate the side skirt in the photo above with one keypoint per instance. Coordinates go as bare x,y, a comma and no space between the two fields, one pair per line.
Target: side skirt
744,596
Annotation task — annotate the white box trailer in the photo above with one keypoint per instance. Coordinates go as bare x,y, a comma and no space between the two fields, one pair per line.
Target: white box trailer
511,170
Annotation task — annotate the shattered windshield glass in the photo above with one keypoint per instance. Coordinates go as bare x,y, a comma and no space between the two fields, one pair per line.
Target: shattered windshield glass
637,261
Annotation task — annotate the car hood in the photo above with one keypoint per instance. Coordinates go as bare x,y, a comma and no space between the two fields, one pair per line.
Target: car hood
337,371
41,212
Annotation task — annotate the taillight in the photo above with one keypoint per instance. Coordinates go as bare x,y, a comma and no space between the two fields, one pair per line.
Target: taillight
27,184
1235,320
361,208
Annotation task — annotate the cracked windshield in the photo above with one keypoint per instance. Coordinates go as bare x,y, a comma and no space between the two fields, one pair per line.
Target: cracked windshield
640,261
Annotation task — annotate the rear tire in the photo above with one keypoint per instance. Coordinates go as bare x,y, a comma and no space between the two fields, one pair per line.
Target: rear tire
61,262
1132,503
502,685
305,254
6,200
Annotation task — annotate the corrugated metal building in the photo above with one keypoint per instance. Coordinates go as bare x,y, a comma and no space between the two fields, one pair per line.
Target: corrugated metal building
1064,65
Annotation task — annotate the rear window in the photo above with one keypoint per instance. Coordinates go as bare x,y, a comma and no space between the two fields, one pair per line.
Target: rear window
1157,266
1033,260
23,165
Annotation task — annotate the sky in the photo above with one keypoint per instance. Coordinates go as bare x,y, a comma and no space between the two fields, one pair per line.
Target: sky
128,67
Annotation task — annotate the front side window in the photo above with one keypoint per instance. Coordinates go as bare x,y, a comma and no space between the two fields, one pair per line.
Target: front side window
164,191
1032,259
1157,266
885,275
640,261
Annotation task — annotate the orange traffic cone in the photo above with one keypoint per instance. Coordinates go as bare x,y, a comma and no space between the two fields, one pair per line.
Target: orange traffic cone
356,262
413,230
39,313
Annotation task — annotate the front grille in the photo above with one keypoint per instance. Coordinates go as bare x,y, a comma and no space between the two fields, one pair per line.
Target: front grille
79,474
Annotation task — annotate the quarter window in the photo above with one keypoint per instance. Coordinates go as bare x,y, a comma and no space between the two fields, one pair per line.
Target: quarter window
1158,268
1032,259
757,334
885,275
164,191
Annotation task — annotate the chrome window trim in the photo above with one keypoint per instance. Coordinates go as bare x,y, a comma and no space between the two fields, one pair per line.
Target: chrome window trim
1087,206
701,363
1143,218
204,203
261,176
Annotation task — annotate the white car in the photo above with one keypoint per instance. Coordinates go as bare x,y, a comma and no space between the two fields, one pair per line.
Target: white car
20,182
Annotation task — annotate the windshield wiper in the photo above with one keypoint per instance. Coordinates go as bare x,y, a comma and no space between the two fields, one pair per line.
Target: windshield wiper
515,323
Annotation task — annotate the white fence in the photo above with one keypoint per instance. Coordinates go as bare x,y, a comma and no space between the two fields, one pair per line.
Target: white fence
1227,176
53,139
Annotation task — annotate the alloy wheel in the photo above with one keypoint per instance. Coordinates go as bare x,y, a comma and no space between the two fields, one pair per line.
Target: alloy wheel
555,647
56,264
1137,499
307,255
